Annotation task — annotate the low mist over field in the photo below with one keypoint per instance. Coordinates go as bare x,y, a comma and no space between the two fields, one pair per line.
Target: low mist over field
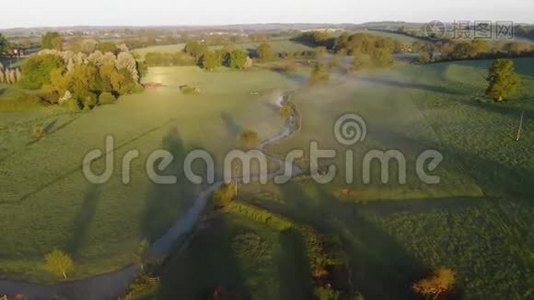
270,150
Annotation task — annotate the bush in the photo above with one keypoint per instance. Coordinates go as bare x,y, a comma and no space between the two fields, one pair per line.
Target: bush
106,98
36,70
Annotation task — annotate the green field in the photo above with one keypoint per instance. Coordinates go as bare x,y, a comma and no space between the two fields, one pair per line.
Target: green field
54,206
477,220
281,45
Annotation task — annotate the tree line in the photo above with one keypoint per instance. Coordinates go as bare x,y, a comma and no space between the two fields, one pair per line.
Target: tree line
80,80
470,49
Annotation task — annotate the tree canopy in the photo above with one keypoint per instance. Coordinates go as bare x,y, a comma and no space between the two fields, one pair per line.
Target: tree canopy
58,263
51,40
237,59
4,44
195,49
37,70
211,60
502,79
265,51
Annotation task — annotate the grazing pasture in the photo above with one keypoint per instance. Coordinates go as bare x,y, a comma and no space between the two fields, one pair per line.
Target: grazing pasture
101,225
477,220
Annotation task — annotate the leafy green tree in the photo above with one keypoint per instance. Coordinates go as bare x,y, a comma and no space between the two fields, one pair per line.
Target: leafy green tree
51,40
58,263
4,44
195,49
36,70
265,51
237,59
320,73
502,80
210,60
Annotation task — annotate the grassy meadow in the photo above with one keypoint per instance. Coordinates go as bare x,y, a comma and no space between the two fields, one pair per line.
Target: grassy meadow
477,220
54,206
278,45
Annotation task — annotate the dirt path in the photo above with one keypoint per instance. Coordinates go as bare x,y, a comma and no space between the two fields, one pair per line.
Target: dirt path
112,285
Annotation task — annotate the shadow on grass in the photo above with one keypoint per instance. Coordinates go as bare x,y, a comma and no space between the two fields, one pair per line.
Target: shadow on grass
495,178
206,264
293,267
507,109
165,202
412,85
82,221
297,78
78,168
380,267
233,128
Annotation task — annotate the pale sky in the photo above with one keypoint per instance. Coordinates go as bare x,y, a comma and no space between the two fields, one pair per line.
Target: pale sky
40,13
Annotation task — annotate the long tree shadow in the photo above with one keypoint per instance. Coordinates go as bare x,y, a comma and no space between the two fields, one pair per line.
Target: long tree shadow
233,128
83,220
506,109
76,169
296,77
206,266
293,267
495,178
165,202
411,85
381,268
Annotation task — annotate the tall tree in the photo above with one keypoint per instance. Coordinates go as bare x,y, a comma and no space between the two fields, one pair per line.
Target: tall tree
59,263
502,79
51,40
237,59
195,49
210,60
4,44
36,69
265,51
